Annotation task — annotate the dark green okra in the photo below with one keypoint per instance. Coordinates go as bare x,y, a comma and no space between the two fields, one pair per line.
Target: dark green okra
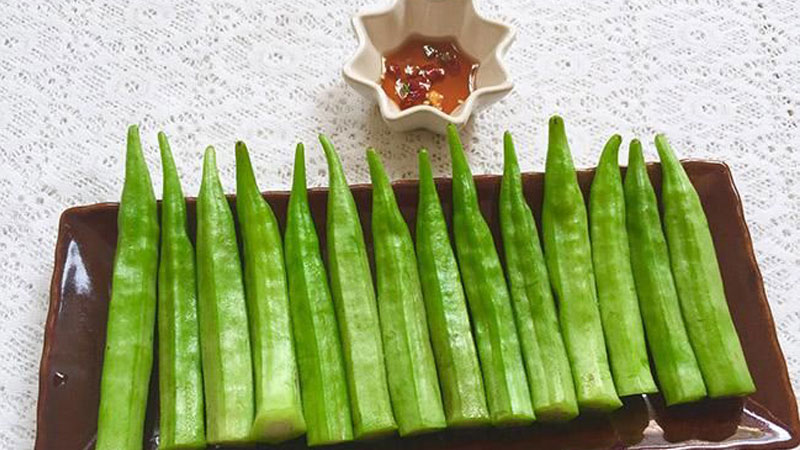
316,335
180,378
128,356
356,309
222,309
616,292
278,407
699,282
499,350
448,320
569,262
413,384
679,377
543,349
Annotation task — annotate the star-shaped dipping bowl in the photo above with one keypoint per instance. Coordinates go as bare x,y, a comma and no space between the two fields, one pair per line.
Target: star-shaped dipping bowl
381,31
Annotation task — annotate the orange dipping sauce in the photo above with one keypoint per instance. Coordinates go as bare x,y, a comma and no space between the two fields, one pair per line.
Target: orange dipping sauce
428,71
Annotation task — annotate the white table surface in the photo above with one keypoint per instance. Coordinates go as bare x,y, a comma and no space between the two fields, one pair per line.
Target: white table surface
721,78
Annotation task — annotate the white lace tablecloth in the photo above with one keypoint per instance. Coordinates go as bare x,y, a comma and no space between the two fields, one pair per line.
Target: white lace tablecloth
721,78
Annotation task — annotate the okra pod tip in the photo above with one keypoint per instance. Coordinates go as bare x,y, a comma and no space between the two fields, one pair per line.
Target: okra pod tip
557,131
133,134
299,176
167,160
209,162
162,141
665,153
558,153
380,180
424,159
509,154
373,160
335,170
241,150
611,150
426,184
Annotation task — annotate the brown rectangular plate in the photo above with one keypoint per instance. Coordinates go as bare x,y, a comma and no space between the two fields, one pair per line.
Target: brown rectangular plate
75,333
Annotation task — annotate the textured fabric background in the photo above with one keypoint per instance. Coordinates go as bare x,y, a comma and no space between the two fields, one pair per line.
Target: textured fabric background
722,79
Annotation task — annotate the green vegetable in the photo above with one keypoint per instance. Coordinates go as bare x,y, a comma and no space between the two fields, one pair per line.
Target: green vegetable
543,349
413,385
316,335
128,356
679,377
498,346
569,262
699,283
180,379
448,320
616,292
279,412
356,310
224,338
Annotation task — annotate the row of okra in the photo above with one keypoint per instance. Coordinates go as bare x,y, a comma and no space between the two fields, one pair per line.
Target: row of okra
273,342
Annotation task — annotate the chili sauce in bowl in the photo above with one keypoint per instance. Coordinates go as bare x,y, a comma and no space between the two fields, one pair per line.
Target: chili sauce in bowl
428,71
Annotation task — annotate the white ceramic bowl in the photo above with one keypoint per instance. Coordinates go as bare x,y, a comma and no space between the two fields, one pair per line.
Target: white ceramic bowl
381,31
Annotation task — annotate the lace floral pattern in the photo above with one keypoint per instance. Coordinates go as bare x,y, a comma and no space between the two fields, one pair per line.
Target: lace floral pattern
718,77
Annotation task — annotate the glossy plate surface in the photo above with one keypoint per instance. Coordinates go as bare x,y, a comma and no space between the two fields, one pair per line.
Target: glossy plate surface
75,333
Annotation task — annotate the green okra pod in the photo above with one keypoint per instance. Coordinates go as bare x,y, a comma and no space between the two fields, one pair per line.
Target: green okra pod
413,384
278,407
180,377
319,351
569,262
499,350
222,310
448,319
678,374
699,282
616,292
356,309
543,349
128,357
